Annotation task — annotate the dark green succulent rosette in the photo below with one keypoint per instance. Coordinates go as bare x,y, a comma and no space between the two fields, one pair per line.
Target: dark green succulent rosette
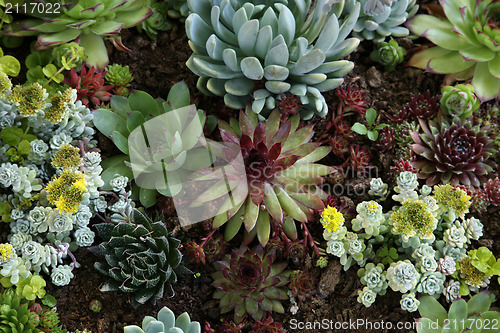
139,257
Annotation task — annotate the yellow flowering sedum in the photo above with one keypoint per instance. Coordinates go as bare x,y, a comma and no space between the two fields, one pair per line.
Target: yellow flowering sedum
6,253
59,108
67,157
331,219
452,200
67,191
29,98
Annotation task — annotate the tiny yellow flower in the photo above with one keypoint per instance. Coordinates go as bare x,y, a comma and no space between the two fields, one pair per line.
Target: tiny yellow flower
6,253
331,219
371,207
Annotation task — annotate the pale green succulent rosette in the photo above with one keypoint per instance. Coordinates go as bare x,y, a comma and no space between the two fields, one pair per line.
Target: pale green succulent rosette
459,100
468,44
379,19
255,51
88,22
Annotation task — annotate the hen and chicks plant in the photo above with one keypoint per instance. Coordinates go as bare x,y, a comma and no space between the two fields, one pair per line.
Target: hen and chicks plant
249,281
257,51
282,175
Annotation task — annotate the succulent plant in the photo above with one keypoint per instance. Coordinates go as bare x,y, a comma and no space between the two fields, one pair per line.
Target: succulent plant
414,218
451,290
281,174
385,141
158,21
462,316
379,19
466,44
431,283
409,302
492,189
447,265
88,22
262,49
166,323
378,188
249,281
453,153
370,217
459,100
423,106
49,318
14,316
120,77
141,258
95,305
366,296
130,115
374,277
389,54
359,160
302,285
89,86
352,99
402,276
267,326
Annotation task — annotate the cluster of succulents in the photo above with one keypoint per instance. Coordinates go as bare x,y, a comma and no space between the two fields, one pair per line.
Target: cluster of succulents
255,52
88,22
49,182
419,247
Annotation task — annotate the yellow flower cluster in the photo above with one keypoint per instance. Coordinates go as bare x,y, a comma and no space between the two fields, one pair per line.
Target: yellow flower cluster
6,253
67,157
66,191
371,207
59,108
30,99
331,219
453,198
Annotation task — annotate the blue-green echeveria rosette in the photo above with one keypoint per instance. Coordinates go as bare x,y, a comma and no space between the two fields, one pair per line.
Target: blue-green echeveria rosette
467,44
256,51
379,19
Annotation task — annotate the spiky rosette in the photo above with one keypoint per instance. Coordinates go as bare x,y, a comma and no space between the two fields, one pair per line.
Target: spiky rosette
353,99
423,106
281,174
453,153
250,282
303,285
267,326
359,160
385,140
140,257
89,85
14,316
492,189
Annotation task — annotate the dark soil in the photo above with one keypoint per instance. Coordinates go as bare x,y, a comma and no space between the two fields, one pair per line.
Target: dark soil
157,65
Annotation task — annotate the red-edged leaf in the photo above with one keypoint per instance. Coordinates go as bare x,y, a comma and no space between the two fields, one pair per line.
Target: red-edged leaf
256,191
283,132
274,152
246,142
246,125
285,162
260,134
228,136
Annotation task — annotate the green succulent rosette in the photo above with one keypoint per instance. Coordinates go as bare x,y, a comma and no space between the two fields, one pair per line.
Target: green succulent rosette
459,100
467,44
